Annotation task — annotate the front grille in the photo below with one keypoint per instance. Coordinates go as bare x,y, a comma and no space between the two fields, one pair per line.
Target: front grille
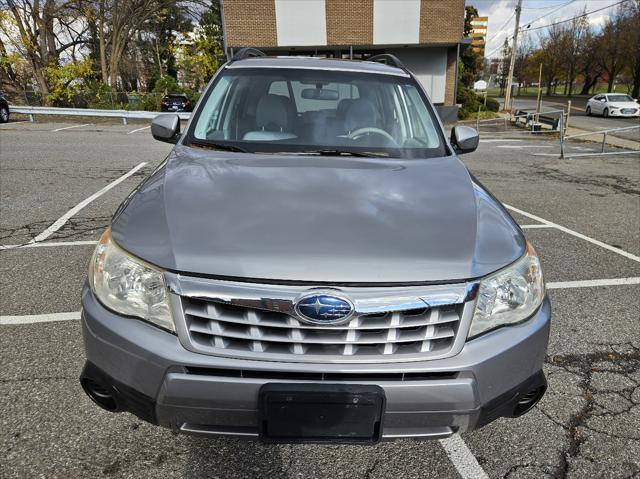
628,111
238,331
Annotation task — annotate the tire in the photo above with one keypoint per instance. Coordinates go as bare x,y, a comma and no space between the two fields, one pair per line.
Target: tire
4,114
605,113
588,111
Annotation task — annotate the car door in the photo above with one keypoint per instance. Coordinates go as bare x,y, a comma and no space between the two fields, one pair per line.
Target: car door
598,104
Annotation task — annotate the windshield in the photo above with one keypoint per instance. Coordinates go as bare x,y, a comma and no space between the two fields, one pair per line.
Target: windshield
317,111
619,98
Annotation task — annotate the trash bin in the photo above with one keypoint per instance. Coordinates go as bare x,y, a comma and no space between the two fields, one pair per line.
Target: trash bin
133,100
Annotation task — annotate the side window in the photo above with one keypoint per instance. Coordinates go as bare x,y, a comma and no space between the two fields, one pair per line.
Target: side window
210,115
424,129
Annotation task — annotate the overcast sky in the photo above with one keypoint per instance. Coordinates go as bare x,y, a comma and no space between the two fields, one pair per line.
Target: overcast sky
502,18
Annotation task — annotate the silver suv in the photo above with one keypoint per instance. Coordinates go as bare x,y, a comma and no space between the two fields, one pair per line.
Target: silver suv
313,263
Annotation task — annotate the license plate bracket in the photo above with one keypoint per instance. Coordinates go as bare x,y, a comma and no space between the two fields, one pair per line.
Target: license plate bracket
321,413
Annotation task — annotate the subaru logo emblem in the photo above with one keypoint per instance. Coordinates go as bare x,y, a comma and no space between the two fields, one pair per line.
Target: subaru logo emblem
321,308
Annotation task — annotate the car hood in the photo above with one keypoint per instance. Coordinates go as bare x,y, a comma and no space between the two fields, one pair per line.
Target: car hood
316,219
623,104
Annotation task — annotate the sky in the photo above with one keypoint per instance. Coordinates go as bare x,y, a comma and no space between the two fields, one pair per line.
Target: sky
538,13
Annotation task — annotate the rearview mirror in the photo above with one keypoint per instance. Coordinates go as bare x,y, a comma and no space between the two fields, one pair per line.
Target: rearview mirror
166,128
319,94
464,139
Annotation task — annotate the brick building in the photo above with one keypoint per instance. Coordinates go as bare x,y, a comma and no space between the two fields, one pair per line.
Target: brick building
424,34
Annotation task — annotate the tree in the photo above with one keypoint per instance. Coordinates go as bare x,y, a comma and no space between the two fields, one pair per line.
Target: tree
630,27
42,32
523,58
503,66
551,45
588,66
572,45
470,12
470,59
200,57
610,49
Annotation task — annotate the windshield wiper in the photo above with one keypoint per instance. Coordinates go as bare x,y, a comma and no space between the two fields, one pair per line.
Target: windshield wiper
365,154
218,146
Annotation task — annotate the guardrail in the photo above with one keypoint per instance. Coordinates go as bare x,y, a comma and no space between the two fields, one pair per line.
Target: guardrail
564,138
32,111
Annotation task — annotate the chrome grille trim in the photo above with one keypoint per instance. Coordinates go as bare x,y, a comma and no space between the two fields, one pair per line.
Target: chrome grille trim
258,321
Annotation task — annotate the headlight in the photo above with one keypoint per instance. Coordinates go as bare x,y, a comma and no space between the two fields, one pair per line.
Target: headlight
510,295
128,285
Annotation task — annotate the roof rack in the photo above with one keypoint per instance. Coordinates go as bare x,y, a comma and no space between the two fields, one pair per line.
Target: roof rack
247,53
387,59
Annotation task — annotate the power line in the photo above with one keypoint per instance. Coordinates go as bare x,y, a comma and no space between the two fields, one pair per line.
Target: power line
556,7
501,28
547,14
527,29
574,18
541,8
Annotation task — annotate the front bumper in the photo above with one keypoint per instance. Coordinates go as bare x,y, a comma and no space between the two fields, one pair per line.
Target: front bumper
153,376
618,112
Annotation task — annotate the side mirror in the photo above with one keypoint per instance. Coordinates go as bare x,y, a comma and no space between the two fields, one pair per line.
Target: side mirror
464,139
166,128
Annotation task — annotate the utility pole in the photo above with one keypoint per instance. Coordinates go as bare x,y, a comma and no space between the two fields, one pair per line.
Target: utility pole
539,98
512,63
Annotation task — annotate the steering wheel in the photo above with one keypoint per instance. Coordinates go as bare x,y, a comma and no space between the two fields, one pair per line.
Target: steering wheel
360,132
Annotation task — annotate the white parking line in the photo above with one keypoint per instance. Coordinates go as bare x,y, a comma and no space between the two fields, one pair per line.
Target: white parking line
495,140
69,127
528,227
65,217
48,244
39,318
139,129
518,147
576,234
462,458
590,283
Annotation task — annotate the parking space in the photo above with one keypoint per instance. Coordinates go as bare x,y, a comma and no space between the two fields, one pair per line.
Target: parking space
582,215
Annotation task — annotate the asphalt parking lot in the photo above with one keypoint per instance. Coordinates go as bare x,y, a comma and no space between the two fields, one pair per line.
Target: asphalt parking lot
60,183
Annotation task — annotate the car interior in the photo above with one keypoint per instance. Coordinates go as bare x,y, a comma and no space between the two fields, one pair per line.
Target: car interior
316,111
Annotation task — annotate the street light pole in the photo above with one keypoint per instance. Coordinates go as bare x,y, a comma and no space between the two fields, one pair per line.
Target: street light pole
512,63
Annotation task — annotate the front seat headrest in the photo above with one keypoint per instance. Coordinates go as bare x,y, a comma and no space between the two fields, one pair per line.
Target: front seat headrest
272,113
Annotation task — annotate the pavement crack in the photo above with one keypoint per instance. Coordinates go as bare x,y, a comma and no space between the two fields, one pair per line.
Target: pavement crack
368,474
585,365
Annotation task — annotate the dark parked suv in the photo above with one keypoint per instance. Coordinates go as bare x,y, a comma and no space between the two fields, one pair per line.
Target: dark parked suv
313,262
4,109
175,102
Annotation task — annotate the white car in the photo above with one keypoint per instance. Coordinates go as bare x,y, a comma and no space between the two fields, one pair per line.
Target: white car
613,104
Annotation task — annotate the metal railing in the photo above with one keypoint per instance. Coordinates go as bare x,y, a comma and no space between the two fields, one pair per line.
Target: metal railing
604,133
125,115
558,120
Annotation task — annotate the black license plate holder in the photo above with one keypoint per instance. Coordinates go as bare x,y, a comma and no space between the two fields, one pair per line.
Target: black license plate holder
321,413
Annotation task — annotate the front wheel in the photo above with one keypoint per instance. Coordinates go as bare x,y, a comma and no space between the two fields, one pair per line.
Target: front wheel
4,114
588,111
605,113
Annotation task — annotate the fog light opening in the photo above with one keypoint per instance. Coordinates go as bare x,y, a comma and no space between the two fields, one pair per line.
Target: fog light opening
528,400
101,394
